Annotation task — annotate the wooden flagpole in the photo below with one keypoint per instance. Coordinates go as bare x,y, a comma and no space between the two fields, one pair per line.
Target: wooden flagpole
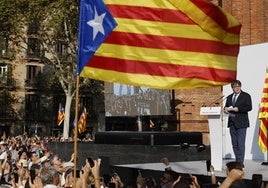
75,130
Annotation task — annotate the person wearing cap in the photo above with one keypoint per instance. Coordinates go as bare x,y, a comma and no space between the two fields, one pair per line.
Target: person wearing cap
68,178
45,162
67,166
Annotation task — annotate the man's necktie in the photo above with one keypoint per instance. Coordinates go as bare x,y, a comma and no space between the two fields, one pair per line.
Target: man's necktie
234,99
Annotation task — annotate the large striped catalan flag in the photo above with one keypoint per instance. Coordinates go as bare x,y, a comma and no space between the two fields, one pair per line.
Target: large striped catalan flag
167,44
263,117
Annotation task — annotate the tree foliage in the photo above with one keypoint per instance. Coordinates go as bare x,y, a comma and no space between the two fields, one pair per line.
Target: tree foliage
54,23
6,102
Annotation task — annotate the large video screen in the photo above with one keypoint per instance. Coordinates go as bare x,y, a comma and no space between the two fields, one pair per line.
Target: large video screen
127,100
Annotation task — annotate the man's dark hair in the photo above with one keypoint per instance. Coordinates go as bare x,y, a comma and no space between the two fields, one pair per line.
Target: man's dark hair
234,165
236,82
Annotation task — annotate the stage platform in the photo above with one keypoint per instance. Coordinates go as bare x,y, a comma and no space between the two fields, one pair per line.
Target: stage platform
128,159
148,138
197,168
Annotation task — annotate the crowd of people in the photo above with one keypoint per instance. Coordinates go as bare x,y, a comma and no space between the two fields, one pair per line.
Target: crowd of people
28,162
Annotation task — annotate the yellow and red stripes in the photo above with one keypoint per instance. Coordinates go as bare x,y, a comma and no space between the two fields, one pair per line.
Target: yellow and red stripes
82,123
158,45
262,140
263,116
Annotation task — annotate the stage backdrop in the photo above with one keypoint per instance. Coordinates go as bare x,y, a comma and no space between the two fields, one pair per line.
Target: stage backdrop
127,100
252,64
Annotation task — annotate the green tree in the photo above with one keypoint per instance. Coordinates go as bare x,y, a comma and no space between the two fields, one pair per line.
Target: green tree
6,102
54,23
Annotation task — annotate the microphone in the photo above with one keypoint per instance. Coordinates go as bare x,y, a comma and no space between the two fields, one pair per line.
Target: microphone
214,102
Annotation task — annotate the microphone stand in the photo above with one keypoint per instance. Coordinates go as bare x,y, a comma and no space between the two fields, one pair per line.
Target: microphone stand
223,122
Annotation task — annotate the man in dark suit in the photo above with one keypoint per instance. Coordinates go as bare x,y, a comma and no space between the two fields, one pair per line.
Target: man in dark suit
238,104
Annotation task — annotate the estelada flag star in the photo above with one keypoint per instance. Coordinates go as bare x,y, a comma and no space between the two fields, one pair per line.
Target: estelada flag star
167,44
95,24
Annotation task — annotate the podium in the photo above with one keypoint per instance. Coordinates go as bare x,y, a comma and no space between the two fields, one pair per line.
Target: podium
215,133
